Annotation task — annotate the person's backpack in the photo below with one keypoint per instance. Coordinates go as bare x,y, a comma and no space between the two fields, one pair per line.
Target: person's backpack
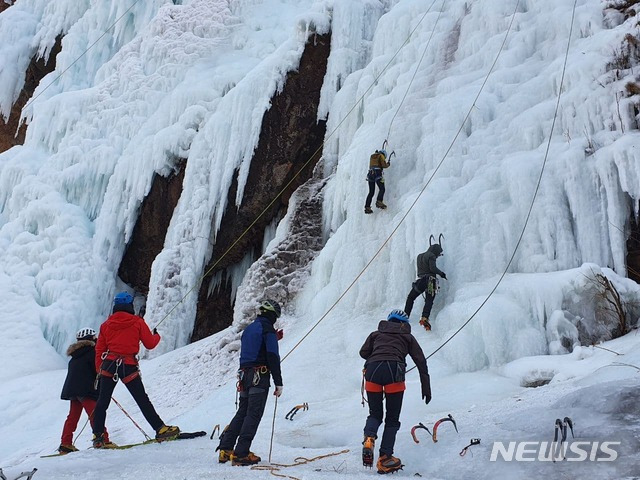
375,173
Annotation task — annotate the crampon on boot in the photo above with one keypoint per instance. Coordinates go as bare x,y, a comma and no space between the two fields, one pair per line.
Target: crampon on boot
63,449
368,210
380,205
101,441
250,459
424,321
224,456
367,451
388,464
167,433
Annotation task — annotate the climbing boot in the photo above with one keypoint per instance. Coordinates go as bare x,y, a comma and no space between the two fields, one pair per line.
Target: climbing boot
380,205
367,451
167,433
224,456
424,321
63,449
250,459
388,464
368,210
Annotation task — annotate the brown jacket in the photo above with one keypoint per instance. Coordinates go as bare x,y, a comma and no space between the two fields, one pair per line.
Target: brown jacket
393,341
378,160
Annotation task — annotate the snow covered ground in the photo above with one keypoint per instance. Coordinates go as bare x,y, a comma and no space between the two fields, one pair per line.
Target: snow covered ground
192,79
193,387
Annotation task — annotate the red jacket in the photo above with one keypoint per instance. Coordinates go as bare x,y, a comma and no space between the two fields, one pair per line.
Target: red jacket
120,335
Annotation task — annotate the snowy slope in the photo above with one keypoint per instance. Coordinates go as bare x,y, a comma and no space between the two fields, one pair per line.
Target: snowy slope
193,80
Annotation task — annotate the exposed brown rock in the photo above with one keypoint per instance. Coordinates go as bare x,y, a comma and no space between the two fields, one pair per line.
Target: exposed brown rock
150,231
3,6
10,133
290,134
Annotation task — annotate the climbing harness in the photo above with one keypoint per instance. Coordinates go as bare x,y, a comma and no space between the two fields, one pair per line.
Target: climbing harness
434,436
474,441
275,467
27,475
304,406
215,429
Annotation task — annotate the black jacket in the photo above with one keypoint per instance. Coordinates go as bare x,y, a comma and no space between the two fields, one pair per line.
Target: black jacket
427,261
81,373
394,341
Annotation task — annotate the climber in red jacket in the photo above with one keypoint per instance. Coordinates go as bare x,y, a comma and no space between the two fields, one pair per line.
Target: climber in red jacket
116,359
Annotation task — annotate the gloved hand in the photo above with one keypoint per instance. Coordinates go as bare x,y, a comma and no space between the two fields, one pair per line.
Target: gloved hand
278,390
279,334
426,393
444,275
155,331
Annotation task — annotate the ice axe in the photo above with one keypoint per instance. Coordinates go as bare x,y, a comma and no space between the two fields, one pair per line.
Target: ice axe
294,410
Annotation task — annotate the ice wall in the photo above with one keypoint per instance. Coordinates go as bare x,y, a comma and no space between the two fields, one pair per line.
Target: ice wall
480,196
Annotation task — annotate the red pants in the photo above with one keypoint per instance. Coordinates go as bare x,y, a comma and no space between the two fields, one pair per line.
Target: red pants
75,410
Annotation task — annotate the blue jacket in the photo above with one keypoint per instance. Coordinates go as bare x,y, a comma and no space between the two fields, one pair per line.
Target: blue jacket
259,346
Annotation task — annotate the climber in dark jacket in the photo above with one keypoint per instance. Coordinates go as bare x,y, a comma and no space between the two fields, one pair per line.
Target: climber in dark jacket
79,386
425,283
259,357
385,351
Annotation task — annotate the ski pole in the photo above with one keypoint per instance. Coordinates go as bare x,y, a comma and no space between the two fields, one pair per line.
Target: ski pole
129,416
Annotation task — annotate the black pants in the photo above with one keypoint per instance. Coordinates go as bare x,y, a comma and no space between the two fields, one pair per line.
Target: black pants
384,373
136,389
372,190
418,288
245,423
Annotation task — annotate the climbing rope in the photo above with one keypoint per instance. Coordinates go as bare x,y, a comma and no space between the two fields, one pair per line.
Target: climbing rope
82,54
533,199
417,66
413,204
304,165
275,467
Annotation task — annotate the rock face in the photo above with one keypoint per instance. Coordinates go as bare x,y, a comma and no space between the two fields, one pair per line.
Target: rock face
150,231
3,6
289,136
11,133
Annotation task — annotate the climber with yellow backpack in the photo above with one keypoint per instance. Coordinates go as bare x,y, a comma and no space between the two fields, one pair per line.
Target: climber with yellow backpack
377,163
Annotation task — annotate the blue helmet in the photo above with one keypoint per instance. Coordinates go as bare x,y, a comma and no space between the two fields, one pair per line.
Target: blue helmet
123,298
383,152
398,316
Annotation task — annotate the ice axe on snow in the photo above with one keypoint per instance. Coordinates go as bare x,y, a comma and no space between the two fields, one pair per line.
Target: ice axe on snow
294,410
434,435
27,475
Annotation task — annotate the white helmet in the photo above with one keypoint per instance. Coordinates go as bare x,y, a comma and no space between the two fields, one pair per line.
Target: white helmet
85,332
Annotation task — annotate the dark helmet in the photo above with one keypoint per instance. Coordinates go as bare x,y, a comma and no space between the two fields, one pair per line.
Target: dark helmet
123,298
271,306
436,248
398,316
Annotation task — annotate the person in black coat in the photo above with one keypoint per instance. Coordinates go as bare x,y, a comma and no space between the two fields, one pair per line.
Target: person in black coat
79,385
385,351
425,283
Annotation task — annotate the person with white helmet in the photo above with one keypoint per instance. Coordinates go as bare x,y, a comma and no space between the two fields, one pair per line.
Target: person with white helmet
79,386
